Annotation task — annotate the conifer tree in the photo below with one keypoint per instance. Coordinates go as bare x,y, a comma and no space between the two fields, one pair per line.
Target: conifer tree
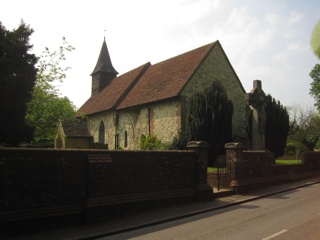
277,126
17,80
210,119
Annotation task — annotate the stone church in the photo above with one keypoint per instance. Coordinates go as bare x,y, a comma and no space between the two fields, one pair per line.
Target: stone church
150,99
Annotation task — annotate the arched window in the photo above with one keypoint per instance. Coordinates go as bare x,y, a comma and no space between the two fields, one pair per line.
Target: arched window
125,138
101,133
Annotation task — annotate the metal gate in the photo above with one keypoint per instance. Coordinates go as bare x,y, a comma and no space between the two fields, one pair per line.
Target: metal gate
223,172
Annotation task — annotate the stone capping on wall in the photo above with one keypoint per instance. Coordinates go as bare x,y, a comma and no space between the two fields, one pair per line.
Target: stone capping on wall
197,144
233,145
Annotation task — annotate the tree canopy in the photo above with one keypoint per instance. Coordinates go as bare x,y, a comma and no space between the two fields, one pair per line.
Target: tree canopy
315,85
17,80
277,126
306,131
47,105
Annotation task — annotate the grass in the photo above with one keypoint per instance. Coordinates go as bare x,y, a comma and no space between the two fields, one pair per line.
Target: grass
278,161
287,162
212,169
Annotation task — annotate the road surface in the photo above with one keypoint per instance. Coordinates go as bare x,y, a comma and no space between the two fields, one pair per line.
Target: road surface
289,215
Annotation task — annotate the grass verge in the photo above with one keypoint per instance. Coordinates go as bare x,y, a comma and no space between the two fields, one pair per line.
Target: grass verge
287,162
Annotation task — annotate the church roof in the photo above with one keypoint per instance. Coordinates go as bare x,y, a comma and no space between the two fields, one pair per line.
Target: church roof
148,83
104,62
166,79
75,128
110,96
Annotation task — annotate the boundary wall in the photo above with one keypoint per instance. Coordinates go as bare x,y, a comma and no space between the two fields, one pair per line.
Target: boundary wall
257,169
95,185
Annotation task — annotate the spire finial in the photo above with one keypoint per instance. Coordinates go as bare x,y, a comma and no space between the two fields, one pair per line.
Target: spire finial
104,38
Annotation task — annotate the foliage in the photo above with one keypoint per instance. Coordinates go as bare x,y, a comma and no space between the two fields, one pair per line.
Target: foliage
315,39
179,142
209,118
17,80
295,148
315,85
46,105
277,126
151,142
306,132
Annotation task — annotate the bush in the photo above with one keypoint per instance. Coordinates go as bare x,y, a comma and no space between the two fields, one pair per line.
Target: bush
151,142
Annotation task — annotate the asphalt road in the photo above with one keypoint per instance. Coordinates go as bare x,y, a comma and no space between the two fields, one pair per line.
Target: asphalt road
289,215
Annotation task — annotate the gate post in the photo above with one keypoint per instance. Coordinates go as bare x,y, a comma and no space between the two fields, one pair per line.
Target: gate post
234,153
203,189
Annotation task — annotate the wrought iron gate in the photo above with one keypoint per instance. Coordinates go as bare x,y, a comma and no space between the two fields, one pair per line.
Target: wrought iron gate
223,172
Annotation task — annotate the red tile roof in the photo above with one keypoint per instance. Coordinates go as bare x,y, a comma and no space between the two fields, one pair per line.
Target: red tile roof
165,79
148,83
113,93
75,128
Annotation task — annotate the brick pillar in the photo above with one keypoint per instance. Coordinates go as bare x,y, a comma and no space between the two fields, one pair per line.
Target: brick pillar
203,189
234,154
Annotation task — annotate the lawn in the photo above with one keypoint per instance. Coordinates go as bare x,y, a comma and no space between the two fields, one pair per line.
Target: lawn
287,162
278,161
212,169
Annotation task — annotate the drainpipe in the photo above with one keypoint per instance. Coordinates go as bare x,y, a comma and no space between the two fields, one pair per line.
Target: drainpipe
149,120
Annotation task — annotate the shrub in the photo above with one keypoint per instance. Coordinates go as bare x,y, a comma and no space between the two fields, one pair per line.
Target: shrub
151,142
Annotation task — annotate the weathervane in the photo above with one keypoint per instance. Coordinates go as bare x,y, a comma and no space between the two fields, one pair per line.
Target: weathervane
104,35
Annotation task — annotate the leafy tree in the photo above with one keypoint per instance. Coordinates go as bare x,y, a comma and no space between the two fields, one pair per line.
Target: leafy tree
277,126
17,80
315,85
210,119
295,148
315,39
306,130
46,105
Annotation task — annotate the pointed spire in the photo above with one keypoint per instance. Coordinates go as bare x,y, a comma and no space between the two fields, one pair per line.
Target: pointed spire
104,62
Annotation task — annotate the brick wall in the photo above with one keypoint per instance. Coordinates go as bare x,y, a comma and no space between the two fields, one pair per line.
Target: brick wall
256,169
39,183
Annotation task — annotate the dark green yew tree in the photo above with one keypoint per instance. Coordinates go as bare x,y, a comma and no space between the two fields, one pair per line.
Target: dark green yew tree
17,80
277,126
210,119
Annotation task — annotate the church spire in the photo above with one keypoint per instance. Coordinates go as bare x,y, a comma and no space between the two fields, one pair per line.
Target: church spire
104,72
104,62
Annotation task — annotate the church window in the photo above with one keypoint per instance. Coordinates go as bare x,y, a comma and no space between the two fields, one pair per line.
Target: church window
125,139
101,133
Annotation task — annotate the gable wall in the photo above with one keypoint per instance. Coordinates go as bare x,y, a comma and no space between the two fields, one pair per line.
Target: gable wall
217,68
59,140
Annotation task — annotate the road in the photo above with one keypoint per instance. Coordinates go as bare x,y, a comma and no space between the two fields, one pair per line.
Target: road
289,215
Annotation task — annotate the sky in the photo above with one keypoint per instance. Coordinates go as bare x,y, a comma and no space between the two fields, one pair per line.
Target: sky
264,40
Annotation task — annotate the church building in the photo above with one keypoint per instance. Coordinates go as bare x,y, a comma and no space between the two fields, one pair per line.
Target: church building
150,99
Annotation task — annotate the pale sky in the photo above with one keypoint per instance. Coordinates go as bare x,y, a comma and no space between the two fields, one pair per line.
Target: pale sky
265,40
